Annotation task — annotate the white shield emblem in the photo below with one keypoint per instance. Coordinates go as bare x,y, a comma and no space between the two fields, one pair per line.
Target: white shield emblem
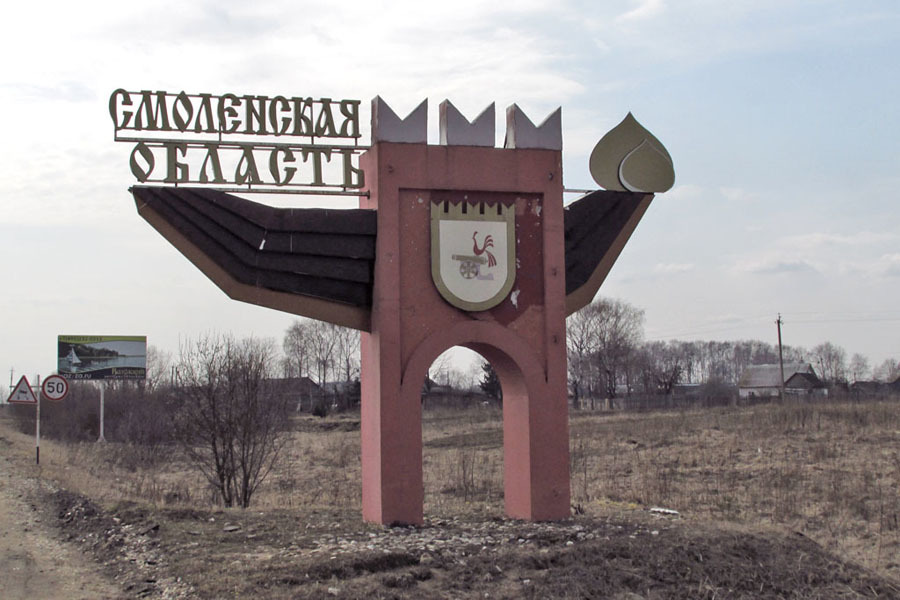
473,253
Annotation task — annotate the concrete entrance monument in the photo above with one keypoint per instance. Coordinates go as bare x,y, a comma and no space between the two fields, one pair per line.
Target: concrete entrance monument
455,244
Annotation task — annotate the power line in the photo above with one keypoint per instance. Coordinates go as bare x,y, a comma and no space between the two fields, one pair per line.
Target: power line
746,322
857,320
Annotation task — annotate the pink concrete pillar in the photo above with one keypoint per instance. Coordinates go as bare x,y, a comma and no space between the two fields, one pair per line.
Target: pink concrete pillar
523,337
535,444
391,427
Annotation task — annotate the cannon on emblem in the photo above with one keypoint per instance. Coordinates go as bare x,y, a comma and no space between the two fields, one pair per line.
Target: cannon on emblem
469,265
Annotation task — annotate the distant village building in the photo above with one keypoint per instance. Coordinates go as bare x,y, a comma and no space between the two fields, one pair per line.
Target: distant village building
874,390
341,395
805,384
301,390
764,381
860,390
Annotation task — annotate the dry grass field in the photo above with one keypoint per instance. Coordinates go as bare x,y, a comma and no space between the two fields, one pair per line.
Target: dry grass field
829,471
748,477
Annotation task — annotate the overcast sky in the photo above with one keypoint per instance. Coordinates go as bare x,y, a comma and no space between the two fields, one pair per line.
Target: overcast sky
781,118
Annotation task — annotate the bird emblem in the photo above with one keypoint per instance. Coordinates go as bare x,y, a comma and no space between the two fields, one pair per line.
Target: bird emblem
488,243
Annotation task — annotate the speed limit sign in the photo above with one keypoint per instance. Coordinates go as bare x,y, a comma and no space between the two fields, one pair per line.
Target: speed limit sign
55,388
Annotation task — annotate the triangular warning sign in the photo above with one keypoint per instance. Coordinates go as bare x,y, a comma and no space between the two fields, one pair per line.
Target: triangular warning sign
22,393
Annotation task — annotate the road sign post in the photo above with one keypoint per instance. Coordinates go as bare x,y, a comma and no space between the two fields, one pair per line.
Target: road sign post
23,394
37,424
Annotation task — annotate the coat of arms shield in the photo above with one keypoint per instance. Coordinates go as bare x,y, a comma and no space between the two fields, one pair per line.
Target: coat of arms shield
473,253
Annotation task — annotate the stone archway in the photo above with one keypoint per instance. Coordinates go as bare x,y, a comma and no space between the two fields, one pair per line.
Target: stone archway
535,421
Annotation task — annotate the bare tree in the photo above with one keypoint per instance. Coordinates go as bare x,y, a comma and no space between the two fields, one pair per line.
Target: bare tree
580,346
888,371
602,339
319,350
665,365
229,424
439,372
295,347
859,367
831,361
159,368
346,352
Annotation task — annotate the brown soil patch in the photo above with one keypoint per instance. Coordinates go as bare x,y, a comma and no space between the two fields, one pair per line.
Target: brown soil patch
324,554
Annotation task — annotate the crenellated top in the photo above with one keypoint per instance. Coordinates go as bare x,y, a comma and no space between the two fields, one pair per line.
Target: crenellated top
457,130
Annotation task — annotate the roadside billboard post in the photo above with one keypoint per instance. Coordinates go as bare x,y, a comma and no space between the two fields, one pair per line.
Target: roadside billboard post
102,437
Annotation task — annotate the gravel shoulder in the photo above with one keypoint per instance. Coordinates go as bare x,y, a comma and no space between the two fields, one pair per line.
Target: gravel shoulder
34,562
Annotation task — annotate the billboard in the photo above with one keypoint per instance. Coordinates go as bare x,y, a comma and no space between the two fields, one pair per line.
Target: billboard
98,357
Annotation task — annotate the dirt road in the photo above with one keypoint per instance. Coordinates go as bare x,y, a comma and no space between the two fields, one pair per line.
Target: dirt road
34,563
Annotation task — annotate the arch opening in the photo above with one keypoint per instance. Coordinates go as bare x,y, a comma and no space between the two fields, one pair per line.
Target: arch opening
462,436
534,428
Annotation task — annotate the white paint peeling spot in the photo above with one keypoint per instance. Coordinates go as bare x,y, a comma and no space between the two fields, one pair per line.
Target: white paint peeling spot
537,210
518,263
420,201
514,298
262,244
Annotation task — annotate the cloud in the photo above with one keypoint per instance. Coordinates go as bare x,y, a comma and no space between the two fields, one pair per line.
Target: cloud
685,192
888,265
733,194
810,241
645,9
866,254
673,267
777,266
64,91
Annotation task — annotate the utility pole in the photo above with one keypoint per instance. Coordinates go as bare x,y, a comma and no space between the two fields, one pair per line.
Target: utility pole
778,322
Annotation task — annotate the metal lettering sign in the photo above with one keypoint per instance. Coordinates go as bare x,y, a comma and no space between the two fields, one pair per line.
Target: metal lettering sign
473,253
261,143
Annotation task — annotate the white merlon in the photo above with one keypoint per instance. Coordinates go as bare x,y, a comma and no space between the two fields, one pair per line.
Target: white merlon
388,127
521,132
457,131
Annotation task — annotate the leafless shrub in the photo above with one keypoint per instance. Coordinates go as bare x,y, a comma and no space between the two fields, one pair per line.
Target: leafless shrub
228,424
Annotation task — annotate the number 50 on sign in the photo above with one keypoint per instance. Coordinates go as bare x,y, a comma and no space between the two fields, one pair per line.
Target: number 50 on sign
55,388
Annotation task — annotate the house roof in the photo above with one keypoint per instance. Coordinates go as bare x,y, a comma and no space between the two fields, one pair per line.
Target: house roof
804,381
868,386
293,385
768,376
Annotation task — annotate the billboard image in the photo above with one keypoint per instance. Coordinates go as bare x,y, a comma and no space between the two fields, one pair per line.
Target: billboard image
84,357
